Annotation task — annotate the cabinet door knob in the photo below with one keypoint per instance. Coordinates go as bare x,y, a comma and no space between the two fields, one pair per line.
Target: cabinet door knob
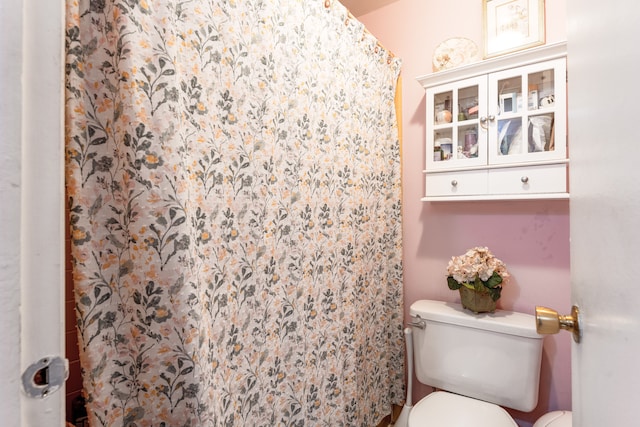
524,179
454,183
484,120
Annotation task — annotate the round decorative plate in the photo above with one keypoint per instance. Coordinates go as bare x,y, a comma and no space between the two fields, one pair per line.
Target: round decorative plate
455,52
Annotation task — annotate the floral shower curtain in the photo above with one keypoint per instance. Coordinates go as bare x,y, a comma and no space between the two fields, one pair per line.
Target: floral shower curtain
233,175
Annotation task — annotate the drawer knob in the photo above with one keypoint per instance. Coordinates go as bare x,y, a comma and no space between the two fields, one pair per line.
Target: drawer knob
524,179
454,183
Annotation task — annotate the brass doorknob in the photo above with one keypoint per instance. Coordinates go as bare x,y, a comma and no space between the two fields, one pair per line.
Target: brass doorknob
548,321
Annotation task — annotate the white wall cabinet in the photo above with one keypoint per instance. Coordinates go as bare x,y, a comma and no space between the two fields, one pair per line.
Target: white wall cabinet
497,129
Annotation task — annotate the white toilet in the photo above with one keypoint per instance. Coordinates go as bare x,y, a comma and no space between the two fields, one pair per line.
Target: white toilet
555,419
477,362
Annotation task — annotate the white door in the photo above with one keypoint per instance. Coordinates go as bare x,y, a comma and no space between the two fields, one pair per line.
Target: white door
604,131
37,83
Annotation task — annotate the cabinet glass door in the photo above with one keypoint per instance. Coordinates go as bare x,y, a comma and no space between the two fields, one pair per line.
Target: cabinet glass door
526,110
454,135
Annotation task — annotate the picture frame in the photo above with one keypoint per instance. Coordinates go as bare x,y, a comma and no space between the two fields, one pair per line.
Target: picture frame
512,25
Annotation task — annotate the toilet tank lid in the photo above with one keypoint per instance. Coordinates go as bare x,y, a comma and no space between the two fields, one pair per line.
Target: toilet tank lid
501,321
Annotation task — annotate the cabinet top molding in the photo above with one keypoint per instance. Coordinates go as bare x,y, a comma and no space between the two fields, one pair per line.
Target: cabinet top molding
524,57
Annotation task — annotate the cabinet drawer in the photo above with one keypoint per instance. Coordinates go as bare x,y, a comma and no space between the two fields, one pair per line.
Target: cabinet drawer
456,183
529,180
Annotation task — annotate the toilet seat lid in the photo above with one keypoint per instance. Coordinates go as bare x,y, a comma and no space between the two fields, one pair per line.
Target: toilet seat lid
443,409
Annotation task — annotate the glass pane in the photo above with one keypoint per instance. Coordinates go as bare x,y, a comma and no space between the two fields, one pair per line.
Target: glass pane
510,95
468,103
510,136
443,145
540,133
541,90
442,107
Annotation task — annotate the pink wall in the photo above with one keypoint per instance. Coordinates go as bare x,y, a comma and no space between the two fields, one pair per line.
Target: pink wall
531,237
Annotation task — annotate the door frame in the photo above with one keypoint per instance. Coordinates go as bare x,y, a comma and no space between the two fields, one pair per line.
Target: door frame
32,244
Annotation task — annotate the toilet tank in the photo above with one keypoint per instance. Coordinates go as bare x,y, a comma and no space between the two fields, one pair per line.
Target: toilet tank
494,357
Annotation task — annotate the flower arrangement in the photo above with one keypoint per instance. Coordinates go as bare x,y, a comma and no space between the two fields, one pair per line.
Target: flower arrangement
477,270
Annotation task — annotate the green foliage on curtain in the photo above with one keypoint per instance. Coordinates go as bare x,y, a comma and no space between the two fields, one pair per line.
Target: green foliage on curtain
233,174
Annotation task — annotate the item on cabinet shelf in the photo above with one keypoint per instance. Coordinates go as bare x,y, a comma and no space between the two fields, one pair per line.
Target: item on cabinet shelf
508,102
533,97
443,117
472,112
454,52
437,154
506,136
461,116
539,133
442,140
443,148
547,101
551,143
471,144
447,150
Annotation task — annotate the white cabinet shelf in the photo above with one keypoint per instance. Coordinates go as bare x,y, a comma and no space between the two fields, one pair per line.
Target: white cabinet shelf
497,129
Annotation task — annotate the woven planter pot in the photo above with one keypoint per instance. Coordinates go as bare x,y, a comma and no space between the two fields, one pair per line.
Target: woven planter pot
478,302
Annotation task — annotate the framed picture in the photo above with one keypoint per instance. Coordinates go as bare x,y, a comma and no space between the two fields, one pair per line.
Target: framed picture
511,25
